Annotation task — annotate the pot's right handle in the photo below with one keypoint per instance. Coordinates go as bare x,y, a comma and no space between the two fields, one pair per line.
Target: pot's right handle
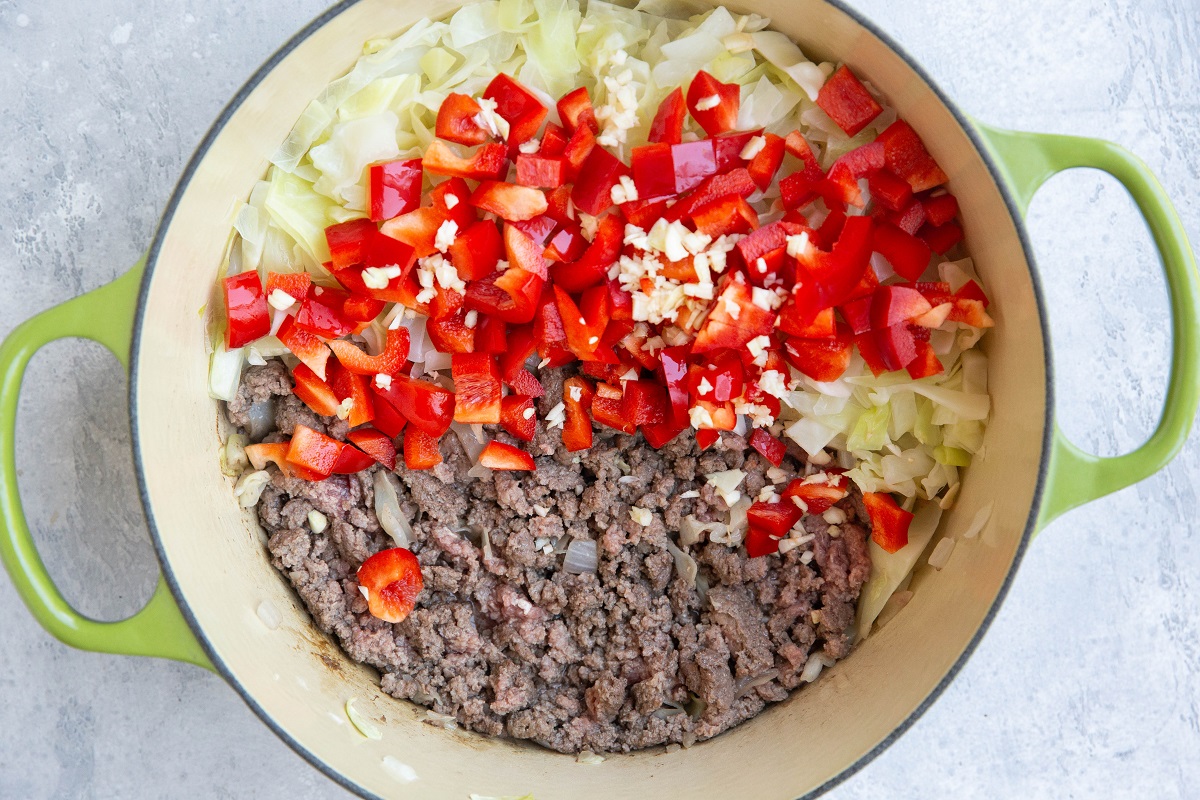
1076,477
106,316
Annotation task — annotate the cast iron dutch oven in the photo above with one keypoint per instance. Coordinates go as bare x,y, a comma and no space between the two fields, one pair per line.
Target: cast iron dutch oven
215,572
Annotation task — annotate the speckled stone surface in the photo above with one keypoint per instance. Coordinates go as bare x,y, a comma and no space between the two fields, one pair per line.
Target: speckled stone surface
1088,684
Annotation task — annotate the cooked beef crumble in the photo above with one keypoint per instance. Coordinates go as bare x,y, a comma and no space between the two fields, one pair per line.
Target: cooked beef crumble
511,644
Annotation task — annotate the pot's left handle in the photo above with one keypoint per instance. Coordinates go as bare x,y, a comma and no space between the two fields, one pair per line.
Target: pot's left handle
104,315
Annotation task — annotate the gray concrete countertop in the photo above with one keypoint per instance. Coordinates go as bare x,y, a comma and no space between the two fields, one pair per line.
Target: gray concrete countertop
1088,684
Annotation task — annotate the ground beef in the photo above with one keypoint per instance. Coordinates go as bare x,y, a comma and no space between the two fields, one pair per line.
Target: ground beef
508,643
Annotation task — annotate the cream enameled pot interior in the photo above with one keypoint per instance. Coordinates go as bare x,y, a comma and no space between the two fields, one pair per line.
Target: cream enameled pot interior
300,680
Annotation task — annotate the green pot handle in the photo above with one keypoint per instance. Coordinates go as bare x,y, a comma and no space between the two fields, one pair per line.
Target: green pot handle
1027,160
104,315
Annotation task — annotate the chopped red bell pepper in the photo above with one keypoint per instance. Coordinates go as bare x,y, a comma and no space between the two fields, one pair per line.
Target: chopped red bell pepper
307,347
607,408
538,228
389,362
352,460
554,140
418,229
476,251
774,518
797,145
524,253
456,120
910,218
314,392
728,149
847,101
450,199
836,274
673,370
795,319
907,254
889,191
926,364
577,399
488,162
765,164
820,359
892,305
735,181
598,174
723,329
667,126
907,157
584,323
508,201
566,244
658,435
379,446
313,451
941,238
247,317
575,109
644,403
276,453
714,105
518,106
395,188
511,295
895,346
393,582
760,543
387,419
354,398
691,163
769,447
718,379
425,405
940,209
451,334
518,417
592,267
476,388
558,206
818,496
421,450
520,346
578,149
724,216
348,242
501,456
294,284
653,172
889,522
491,335
541,172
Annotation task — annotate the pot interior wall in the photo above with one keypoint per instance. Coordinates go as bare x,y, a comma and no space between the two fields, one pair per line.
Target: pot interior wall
300,680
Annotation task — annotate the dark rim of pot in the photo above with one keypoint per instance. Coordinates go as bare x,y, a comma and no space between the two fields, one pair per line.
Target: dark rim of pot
314,758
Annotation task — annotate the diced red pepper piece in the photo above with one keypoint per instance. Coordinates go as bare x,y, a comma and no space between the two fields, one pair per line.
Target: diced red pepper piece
774,518
418,229
307,347
667,126
653,171
566,243
519,346
659,434
607,410
893,305
818,496
926,364
728,149
889,191
456,120
476,388
735,181
895,345
907,157
425,405
554,140
246,315
760,543
834,275
593,186
820,359
395,188
941,238
691,163
322,313
644,403
387,419
578,396
845,173
508,201
518,417
768,447
723,329
276,453
451,334
524,253
450,198
379,446
421,450
575,109
558,206
910,218
511,295
797,145
584,323
907,254
765,164
847,101
491,335
972,291
714,105
351,389
940,209
673,370
889,522
578,149
592,267
476,251
488,162
518,106
314,391
348,242
795,319
728,215
389,362
352,460
313,451
392,579
718,379
542,172
538,229
294,284
501,456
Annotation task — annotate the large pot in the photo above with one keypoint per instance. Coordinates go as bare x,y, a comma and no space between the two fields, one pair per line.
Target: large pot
215,573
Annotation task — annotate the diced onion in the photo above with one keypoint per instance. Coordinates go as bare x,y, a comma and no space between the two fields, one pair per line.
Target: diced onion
691,530
269,614
361,723
581,557
470,442
250,487
685,565
233,455
744,685
387,510
940,556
